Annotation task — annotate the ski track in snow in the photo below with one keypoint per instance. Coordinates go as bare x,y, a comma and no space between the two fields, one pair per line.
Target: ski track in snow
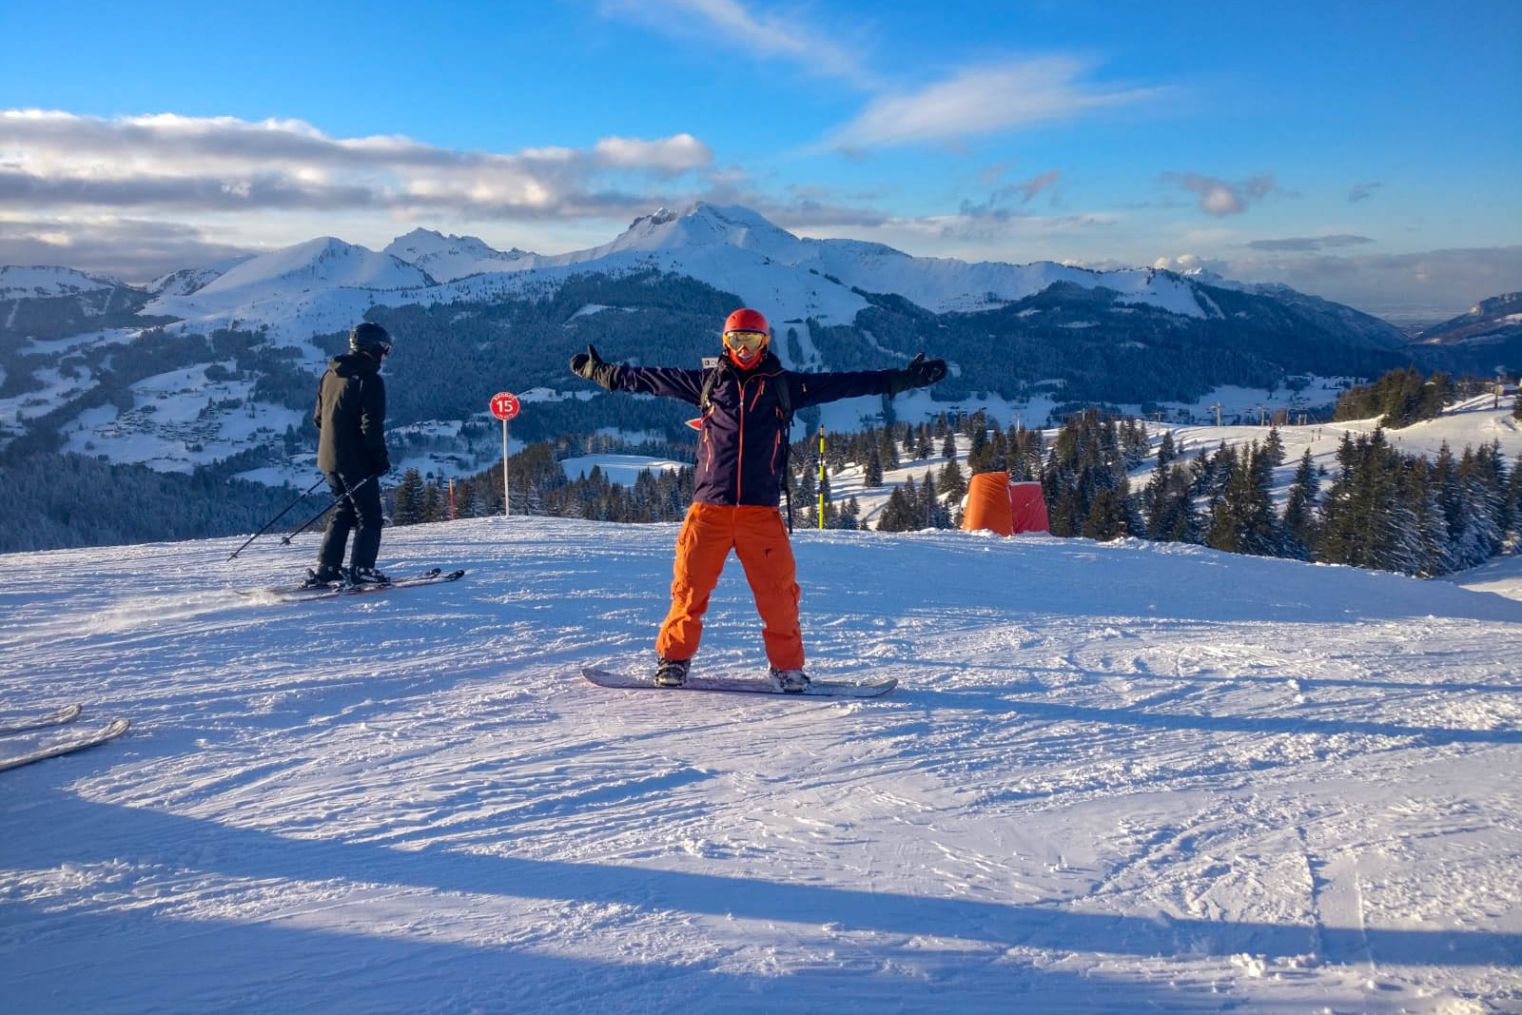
1114,777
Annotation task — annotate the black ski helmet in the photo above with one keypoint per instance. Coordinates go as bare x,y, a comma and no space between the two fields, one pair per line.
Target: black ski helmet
369,337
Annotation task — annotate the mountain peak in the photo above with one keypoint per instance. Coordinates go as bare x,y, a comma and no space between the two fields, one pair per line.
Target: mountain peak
43,281
447,257
322,262
701,224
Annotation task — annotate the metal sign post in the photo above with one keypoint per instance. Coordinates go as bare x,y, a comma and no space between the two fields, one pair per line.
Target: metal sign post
505,405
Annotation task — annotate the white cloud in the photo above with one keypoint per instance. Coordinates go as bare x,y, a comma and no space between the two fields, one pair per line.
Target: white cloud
56,159
983,100
677,154
1218,197
732,31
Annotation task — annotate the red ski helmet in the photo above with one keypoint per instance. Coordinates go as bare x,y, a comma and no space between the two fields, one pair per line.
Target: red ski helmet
746,336
746,319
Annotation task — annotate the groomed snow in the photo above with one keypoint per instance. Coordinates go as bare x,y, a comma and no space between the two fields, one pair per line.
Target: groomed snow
1114,777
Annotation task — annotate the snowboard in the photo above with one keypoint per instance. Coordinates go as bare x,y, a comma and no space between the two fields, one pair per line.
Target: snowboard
301,593
742,685
78,743
66,714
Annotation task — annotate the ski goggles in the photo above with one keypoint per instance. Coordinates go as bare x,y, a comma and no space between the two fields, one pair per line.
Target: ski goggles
746,341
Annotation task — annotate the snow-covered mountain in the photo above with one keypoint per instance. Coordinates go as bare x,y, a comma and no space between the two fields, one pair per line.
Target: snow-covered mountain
449,257
37,282
731,248
1141,777
737,250
323,263
47,302
937,284
1489,322
310,288
188,280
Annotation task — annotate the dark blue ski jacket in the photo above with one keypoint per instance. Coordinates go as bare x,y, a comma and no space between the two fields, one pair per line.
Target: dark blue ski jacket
743,443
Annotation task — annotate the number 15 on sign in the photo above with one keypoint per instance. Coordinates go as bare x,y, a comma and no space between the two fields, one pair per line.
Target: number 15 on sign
505,405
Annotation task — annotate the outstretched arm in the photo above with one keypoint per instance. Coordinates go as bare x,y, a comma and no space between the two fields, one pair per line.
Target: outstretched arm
813,389
667,382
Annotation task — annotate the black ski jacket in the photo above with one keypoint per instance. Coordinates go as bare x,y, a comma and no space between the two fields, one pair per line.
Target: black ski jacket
351,417
744,440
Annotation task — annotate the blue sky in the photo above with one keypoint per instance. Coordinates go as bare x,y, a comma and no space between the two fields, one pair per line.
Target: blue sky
1367,152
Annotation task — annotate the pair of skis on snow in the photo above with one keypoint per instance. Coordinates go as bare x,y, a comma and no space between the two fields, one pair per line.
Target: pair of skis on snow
67,714
301,593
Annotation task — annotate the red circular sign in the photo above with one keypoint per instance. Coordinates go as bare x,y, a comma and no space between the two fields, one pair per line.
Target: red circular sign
504,405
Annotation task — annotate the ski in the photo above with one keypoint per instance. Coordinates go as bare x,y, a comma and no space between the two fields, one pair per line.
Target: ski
67,713
300,593
111,732
743,685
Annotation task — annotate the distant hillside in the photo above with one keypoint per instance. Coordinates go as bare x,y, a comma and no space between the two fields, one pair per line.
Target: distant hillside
215,366
1486,338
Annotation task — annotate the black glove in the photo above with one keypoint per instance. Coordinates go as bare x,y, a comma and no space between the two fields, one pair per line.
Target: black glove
381,467
919,373
592,367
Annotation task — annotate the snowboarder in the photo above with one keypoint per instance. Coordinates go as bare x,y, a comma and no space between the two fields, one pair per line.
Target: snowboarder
351,451
747,402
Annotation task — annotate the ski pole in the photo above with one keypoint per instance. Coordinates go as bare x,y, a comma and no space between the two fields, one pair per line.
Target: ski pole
348,493
272,521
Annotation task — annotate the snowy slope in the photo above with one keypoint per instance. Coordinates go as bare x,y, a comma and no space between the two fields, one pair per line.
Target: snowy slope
19,282
188,280
1471,423
314,287
1115,777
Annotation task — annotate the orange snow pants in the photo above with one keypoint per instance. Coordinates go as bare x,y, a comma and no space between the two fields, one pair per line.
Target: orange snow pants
759,538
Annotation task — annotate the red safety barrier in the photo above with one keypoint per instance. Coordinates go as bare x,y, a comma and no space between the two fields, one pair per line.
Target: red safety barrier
1028,508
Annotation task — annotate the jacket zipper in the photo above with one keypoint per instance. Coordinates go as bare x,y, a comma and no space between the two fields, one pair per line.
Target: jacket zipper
740,463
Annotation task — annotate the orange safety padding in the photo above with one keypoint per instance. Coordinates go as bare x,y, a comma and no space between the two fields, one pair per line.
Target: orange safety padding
1027,507
988,504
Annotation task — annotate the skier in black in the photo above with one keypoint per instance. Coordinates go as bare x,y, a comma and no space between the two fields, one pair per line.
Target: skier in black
351,451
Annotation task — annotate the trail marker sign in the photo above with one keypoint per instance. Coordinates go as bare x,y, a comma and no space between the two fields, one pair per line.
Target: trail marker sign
504,405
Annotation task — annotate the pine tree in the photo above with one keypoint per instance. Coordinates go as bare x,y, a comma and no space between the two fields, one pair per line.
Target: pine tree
953,483
850,515
433,509
1300,509
873,477
1167,451
1273,449
896,514
410,499
887,449
1514,500
936,515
